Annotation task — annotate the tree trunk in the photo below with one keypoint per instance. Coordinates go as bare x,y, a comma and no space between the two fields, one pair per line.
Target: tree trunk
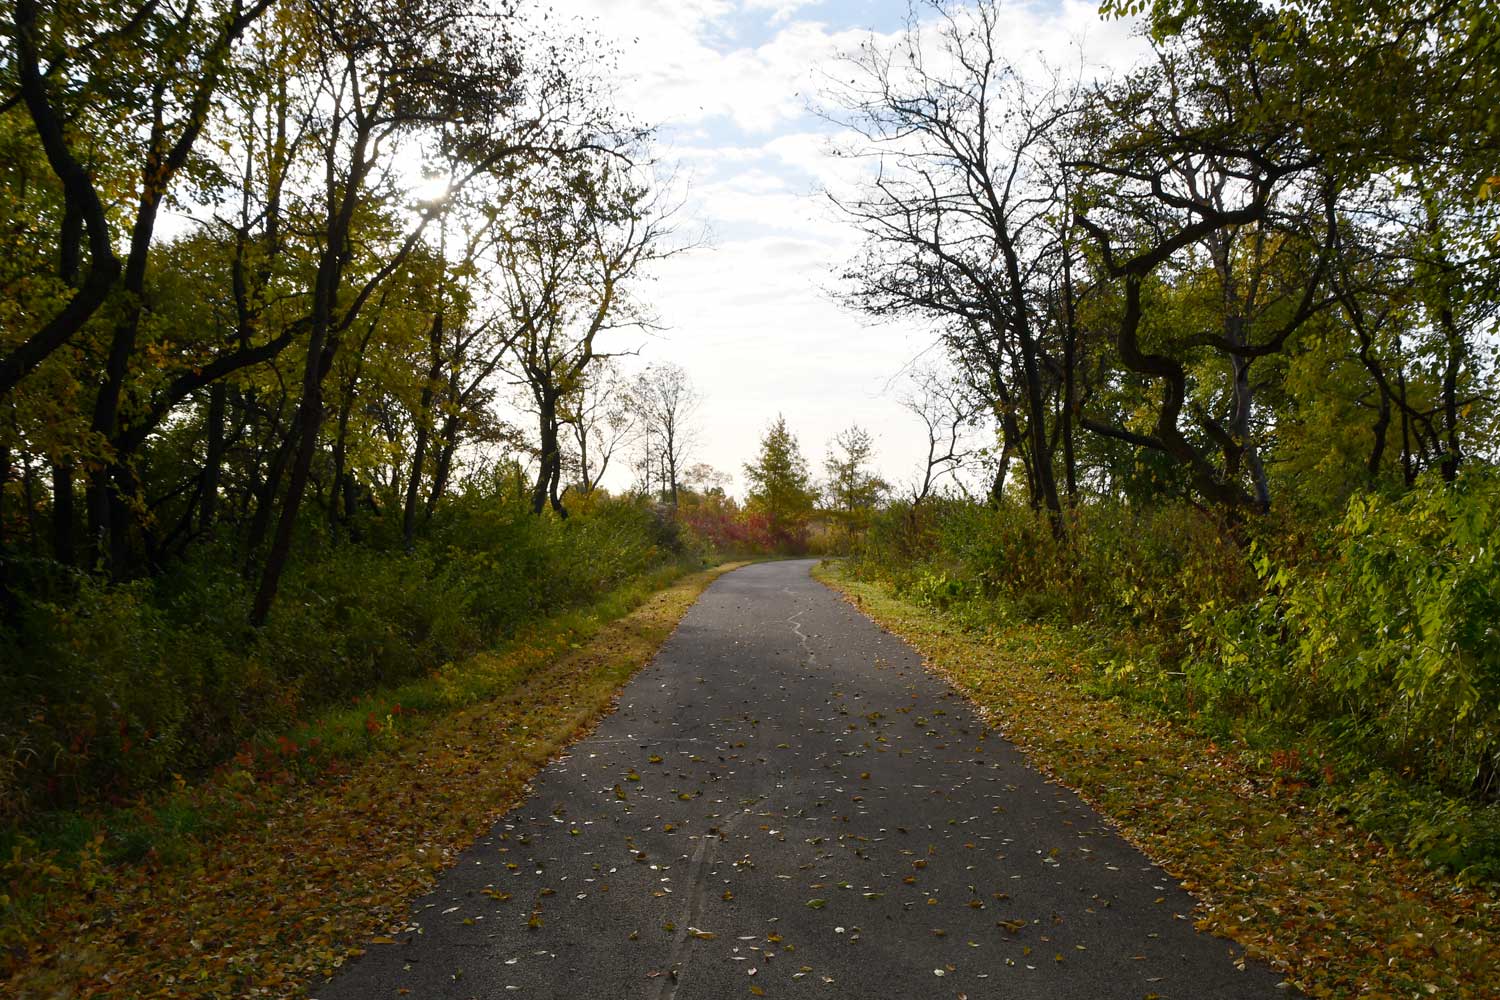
1452,456
79,196
346,409
340,450
670,455
28,497
1408,472
4,479
1070,353
213,464
444,466
308,422
997,485
1243,434
1041,450
63,514
1382,425
108,515
424,428
550,458
580,434
265,500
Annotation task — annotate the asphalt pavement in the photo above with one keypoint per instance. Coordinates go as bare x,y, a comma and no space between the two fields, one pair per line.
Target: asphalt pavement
786,804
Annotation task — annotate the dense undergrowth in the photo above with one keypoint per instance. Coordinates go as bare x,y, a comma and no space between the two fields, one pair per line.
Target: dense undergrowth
300,852
1361,659
108,691
1241,827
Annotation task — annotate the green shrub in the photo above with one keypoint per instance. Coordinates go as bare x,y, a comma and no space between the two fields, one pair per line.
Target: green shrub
1377,637
1392,634
108,690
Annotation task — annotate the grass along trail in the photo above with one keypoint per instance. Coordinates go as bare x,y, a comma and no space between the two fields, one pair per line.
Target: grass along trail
1293,883
305,874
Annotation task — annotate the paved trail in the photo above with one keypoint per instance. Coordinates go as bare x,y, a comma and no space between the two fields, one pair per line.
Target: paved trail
785,801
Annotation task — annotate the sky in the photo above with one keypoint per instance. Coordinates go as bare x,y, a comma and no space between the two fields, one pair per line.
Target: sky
752,317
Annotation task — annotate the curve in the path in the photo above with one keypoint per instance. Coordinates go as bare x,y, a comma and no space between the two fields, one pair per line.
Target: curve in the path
786,804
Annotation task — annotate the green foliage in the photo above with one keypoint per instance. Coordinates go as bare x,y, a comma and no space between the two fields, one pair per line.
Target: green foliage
1389,636
108,690
1371,642
1117,563
780,485
936,589
853,490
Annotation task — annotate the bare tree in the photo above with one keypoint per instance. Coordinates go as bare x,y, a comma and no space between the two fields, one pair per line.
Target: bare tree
946,411
602,420
667,401
702,478
960,210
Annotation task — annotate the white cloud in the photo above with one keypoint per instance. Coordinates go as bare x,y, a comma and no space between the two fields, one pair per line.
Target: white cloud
780,10
682,66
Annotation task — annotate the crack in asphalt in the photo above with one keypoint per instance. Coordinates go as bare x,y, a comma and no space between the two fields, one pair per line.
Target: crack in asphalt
688,930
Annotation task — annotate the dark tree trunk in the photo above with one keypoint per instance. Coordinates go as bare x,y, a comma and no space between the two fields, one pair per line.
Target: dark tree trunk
1243,434
1452,455
1382,425
4,479
549,470
1070,358
346,409
670,455
70,245
64,516
581,436
28,497
265,499
997,485
108,513
213,464
1408,470
444,467
1041,449
343,196
79,197
308,422
424,428
340,453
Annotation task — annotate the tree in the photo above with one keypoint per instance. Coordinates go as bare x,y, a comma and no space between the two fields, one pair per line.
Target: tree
329,333
1275,163
667,402
378,87
141,82
602,418
1214,219
565,270
705,480
781,487
852,489
68,63
945,411
961,214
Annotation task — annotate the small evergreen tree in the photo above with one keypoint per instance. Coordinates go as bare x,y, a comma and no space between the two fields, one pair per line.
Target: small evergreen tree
780,486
